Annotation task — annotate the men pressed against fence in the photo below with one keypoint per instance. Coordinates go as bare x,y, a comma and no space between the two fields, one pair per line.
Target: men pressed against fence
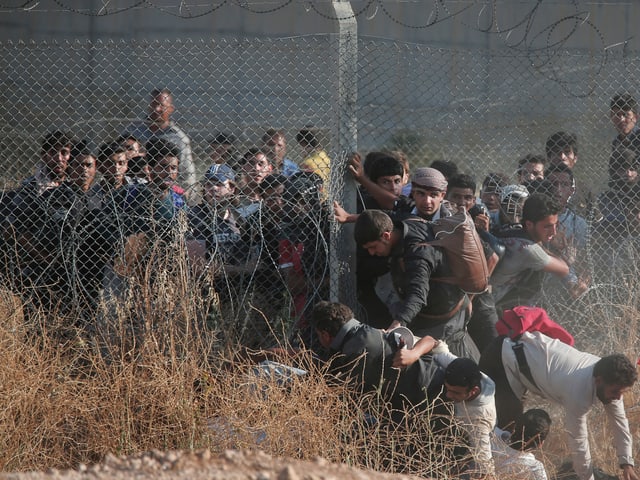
384,181
254,210
533,219
85,222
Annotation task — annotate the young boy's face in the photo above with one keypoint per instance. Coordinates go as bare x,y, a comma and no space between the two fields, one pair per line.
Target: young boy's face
114,168
427,200
623,120
391,183
462,197
257,168
164,173
216,191
82,171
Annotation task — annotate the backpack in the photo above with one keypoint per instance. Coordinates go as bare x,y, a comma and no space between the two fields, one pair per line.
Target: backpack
520,319
457,236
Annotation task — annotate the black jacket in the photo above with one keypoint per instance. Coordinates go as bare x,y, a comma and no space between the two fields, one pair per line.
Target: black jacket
364,355
415,267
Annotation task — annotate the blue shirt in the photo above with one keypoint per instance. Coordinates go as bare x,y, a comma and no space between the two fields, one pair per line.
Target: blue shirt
289,167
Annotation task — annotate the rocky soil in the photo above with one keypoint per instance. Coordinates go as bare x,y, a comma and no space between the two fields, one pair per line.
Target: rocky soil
201,465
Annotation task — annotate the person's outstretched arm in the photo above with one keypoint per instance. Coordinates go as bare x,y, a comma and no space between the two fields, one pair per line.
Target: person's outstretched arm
386,200
405,357
342,216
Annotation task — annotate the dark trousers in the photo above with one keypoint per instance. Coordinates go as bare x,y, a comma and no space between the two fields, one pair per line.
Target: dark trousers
508,406
482,324
453,331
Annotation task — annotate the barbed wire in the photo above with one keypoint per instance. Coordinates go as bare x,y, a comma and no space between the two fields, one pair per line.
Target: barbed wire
22,6
552,50
436,11
98,14
245,5
434,16
313,7
542,44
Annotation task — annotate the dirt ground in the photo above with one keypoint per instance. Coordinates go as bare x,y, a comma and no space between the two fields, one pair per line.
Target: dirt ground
201,465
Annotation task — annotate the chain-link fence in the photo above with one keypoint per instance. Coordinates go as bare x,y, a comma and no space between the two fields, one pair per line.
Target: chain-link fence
272,259
253,232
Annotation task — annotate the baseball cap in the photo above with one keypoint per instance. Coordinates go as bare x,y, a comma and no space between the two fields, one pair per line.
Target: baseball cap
427,177
220,173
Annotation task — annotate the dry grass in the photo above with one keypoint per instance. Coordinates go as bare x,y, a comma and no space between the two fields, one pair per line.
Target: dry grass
153,374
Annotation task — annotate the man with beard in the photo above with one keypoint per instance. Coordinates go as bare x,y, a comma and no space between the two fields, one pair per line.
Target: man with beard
576,380
159,125
37,221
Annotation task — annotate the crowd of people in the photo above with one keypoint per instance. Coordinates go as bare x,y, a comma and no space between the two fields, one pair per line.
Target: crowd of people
534,233
74,232
254,226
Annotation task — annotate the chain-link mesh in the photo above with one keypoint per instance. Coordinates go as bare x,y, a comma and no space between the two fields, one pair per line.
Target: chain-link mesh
236,102
486,111
269,260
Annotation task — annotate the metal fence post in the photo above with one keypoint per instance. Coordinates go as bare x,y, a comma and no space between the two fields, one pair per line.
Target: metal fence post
343,258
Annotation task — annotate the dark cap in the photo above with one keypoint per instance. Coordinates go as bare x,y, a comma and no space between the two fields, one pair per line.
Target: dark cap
220,173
